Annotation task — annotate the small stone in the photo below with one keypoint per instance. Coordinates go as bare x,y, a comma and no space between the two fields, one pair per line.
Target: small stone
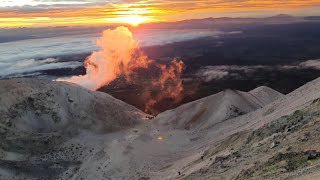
274,144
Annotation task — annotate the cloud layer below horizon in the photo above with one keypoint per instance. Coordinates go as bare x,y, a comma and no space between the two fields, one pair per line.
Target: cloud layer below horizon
35,55
210,73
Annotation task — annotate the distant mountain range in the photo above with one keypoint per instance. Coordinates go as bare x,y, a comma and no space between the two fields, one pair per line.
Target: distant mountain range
7,35
223,22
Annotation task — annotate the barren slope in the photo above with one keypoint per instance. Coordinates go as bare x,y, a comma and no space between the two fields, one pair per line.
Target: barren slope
270,141
34,105
207,112
287,148
253,145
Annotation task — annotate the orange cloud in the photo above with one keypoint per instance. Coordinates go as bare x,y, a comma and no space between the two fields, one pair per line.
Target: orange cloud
150,10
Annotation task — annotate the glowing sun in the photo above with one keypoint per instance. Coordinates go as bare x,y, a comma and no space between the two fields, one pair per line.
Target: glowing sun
134,20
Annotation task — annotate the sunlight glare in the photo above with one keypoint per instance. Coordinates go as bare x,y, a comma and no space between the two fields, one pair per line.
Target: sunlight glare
132,20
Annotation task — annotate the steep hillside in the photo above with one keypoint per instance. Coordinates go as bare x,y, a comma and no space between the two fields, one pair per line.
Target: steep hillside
287,148
266,94
209,111
230,135
34,105
275,142
38,116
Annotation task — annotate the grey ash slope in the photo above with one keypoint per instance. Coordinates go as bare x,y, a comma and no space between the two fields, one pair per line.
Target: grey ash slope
38,116
35,105
281,141
271,141
207,112
265,94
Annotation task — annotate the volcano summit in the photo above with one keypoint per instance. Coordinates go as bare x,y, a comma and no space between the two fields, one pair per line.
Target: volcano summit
57,130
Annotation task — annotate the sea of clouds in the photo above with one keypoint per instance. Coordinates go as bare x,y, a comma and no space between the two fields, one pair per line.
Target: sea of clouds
30,57
209,73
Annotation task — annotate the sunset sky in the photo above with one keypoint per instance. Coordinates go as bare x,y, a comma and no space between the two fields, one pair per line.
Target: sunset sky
33,13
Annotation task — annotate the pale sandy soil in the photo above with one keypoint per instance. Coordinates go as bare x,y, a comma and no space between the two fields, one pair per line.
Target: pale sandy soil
52,130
